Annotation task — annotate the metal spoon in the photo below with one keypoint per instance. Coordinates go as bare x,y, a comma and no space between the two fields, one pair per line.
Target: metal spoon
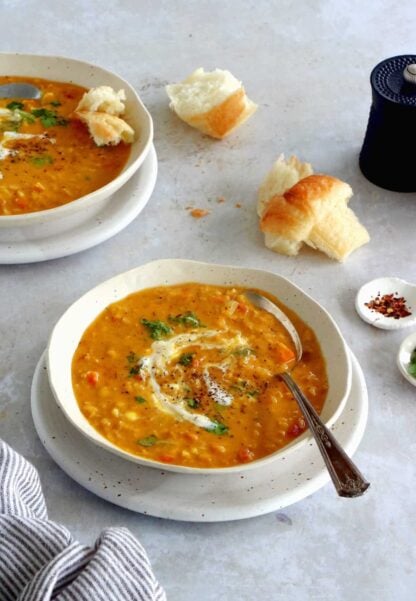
19,90
347,479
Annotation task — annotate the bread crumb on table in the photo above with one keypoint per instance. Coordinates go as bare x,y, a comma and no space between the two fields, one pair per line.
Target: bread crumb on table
198,213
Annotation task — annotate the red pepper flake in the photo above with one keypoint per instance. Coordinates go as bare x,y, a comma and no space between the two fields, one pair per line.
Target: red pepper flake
389,305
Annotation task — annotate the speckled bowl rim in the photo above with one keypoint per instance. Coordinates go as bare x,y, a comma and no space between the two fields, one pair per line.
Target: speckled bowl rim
137,108
69,329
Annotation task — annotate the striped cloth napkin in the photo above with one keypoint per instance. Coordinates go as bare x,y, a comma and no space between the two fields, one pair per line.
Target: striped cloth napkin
39,560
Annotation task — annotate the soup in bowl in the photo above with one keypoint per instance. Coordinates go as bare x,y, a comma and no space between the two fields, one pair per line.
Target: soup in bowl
51,170
170,365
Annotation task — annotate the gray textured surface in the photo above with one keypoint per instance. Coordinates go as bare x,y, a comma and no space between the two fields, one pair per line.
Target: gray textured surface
307,65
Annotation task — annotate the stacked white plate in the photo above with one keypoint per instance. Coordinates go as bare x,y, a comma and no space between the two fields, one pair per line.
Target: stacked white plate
199,495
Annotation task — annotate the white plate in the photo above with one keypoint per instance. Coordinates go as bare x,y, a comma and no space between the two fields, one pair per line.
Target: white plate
125,205
194,498
379,287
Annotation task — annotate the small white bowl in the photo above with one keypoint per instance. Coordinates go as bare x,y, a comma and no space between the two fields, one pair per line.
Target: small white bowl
34,226
403,357
379,287
71,326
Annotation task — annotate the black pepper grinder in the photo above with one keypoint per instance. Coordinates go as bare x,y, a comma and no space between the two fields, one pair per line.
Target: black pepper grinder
387,157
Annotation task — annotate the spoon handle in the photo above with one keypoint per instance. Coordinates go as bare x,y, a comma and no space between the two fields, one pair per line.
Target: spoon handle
347,479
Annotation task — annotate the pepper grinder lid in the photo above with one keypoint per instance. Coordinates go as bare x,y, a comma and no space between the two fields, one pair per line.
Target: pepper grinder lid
385,159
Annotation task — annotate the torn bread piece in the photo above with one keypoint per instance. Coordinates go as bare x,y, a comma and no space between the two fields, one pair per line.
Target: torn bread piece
338,234
306,208
106,130
104,100
213,102
282,176
100,109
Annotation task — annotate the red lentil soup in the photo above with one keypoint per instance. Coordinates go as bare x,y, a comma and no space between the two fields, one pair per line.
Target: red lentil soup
186,375
48,159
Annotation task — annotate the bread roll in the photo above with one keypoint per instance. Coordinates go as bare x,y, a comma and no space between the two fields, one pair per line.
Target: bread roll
297,207
213,102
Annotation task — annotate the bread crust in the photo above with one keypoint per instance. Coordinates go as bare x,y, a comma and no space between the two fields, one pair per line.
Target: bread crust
295,213
222,119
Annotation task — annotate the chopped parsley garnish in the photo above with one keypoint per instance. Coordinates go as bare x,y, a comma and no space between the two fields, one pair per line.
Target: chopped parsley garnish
139,399
188,319
193,403
253,392
148,441
243,351
55,103
17,108
134,364
25,116
239,386
411,368
15,105
132,357
157,329
186,359
42,160
219,429
49,118
10,125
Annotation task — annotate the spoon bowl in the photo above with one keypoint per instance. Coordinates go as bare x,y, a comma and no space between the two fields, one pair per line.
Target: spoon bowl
264,303
347,479
19,90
